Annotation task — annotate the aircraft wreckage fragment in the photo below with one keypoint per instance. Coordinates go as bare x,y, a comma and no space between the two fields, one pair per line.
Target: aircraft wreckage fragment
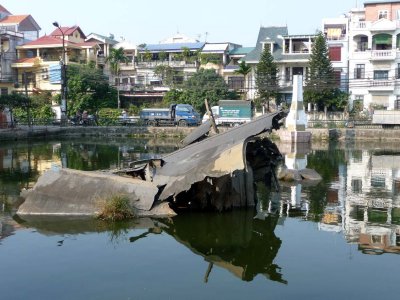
216,172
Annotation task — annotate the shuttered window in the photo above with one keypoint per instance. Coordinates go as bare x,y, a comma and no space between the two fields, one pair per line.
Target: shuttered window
335,53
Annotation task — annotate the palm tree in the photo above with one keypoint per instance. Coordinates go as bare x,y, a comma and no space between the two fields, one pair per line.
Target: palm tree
244,69
116,57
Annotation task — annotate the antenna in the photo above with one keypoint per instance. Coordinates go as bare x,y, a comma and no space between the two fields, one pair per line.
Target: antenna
206,34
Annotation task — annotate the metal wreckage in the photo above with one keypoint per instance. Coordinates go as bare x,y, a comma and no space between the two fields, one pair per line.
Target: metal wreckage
210,171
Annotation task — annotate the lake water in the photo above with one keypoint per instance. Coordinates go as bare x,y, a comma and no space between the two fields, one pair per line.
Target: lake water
339,239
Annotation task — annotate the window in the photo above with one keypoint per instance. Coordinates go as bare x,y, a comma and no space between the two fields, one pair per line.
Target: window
381,75
236,83
335,53
4,91
356,186
287,74
397,103
398,71
359,72
383,14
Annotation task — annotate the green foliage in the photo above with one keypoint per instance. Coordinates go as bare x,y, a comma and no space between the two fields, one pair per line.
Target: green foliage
116,57
88,89
166,73
206,58
267,77
13,100
244,69
108,116
147,56
205,84
321,86
116,208
162,55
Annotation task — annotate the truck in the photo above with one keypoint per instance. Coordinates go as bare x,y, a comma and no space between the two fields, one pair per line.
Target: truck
232,112
176,114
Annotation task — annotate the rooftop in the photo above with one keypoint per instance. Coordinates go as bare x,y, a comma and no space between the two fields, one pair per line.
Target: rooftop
175,47
13,19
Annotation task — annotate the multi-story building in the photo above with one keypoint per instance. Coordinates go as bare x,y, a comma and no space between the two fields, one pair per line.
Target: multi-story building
38,62
291,54
14,31
374,56
336,31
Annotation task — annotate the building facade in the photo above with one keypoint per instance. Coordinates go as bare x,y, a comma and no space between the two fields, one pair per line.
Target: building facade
374,56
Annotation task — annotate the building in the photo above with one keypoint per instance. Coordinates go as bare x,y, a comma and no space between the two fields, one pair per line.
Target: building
336,31
14,31
105,44
38,62
236,82
291,54
374,60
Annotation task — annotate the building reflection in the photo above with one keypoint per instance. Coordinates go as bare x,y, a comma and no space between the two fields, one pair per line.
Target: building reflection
366,208
361,200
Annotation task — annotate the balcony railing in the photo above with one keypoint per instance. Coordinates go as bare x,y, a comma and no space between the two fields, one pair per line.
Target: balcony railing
173,64
383,54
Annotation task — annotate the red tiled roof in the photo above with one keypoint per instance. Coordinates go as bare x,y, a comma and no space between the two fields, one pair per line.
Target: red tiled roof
48,40
87,44
2,9
14,19
67,31
26,60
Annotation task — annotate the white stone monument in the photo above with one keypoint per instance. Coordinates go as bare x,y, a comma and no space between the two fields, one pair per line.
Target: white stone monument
296,121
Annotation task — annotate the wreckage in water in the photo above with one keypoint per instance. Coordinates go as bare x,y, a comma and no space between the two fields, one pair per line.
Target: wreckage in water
215,172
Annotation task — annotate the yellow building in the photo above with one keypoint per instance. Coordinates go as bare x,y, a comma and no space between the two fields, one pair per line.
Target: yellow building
38,66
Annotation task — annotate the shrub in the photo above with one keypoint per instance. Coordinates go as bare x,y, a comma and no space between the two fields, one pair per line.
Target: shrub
115,208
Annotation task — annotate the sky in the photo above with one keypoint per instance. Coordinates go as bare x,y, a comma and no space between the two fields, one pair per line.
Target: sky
150,21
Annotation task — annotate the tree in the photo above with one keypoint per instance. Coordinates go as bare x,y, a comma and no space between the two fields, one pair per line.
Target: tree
116,57
321,87
205,84
14,101
244,69
89,89
267,77
163,55
166,73
185,54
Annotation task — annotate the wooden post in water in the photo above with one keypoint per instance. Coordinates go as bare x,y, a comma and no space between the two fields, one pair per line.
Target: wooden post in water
211,117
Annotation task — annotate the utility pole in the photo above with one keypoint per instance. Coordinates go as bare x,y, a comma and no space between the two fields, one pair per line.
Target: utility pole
27,99
64,108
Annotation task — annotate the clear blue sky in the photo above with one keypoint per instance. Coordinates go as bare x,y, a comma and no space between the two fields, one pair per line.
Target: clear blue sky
144,21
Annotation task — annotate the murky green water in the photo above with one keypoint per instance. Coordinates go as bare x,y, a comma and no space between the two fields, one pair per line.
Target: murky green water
335,240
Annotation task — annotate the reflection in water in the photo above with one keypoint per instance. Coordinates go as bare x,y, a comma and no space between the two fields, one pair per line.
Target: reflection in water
237,242
359,196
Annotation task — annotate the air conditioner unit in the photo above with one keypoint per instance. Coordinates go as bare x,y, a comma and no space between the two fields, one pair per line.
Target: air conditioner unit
45,76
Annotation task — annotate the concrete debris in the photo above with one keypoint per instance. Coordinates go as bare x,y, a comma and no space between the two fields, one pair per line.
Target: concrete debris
217,172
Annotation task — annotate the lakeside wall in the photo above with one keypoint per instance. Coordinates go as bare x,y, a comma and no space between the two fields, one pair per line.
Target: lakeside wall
320,134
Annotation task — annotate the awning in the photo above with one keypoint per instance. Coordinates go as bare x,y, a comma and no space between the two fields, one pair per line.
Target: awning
382,39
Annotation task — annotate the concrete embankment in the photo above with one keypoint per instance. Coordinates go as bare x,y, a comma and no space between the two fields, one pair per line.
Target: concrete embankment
318,134
37,132
351,134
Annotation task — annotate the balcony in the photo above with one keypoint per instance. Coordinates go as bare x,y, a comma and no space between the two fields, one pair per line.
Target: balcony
380,25
383,55
127,66
382,85
172,64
